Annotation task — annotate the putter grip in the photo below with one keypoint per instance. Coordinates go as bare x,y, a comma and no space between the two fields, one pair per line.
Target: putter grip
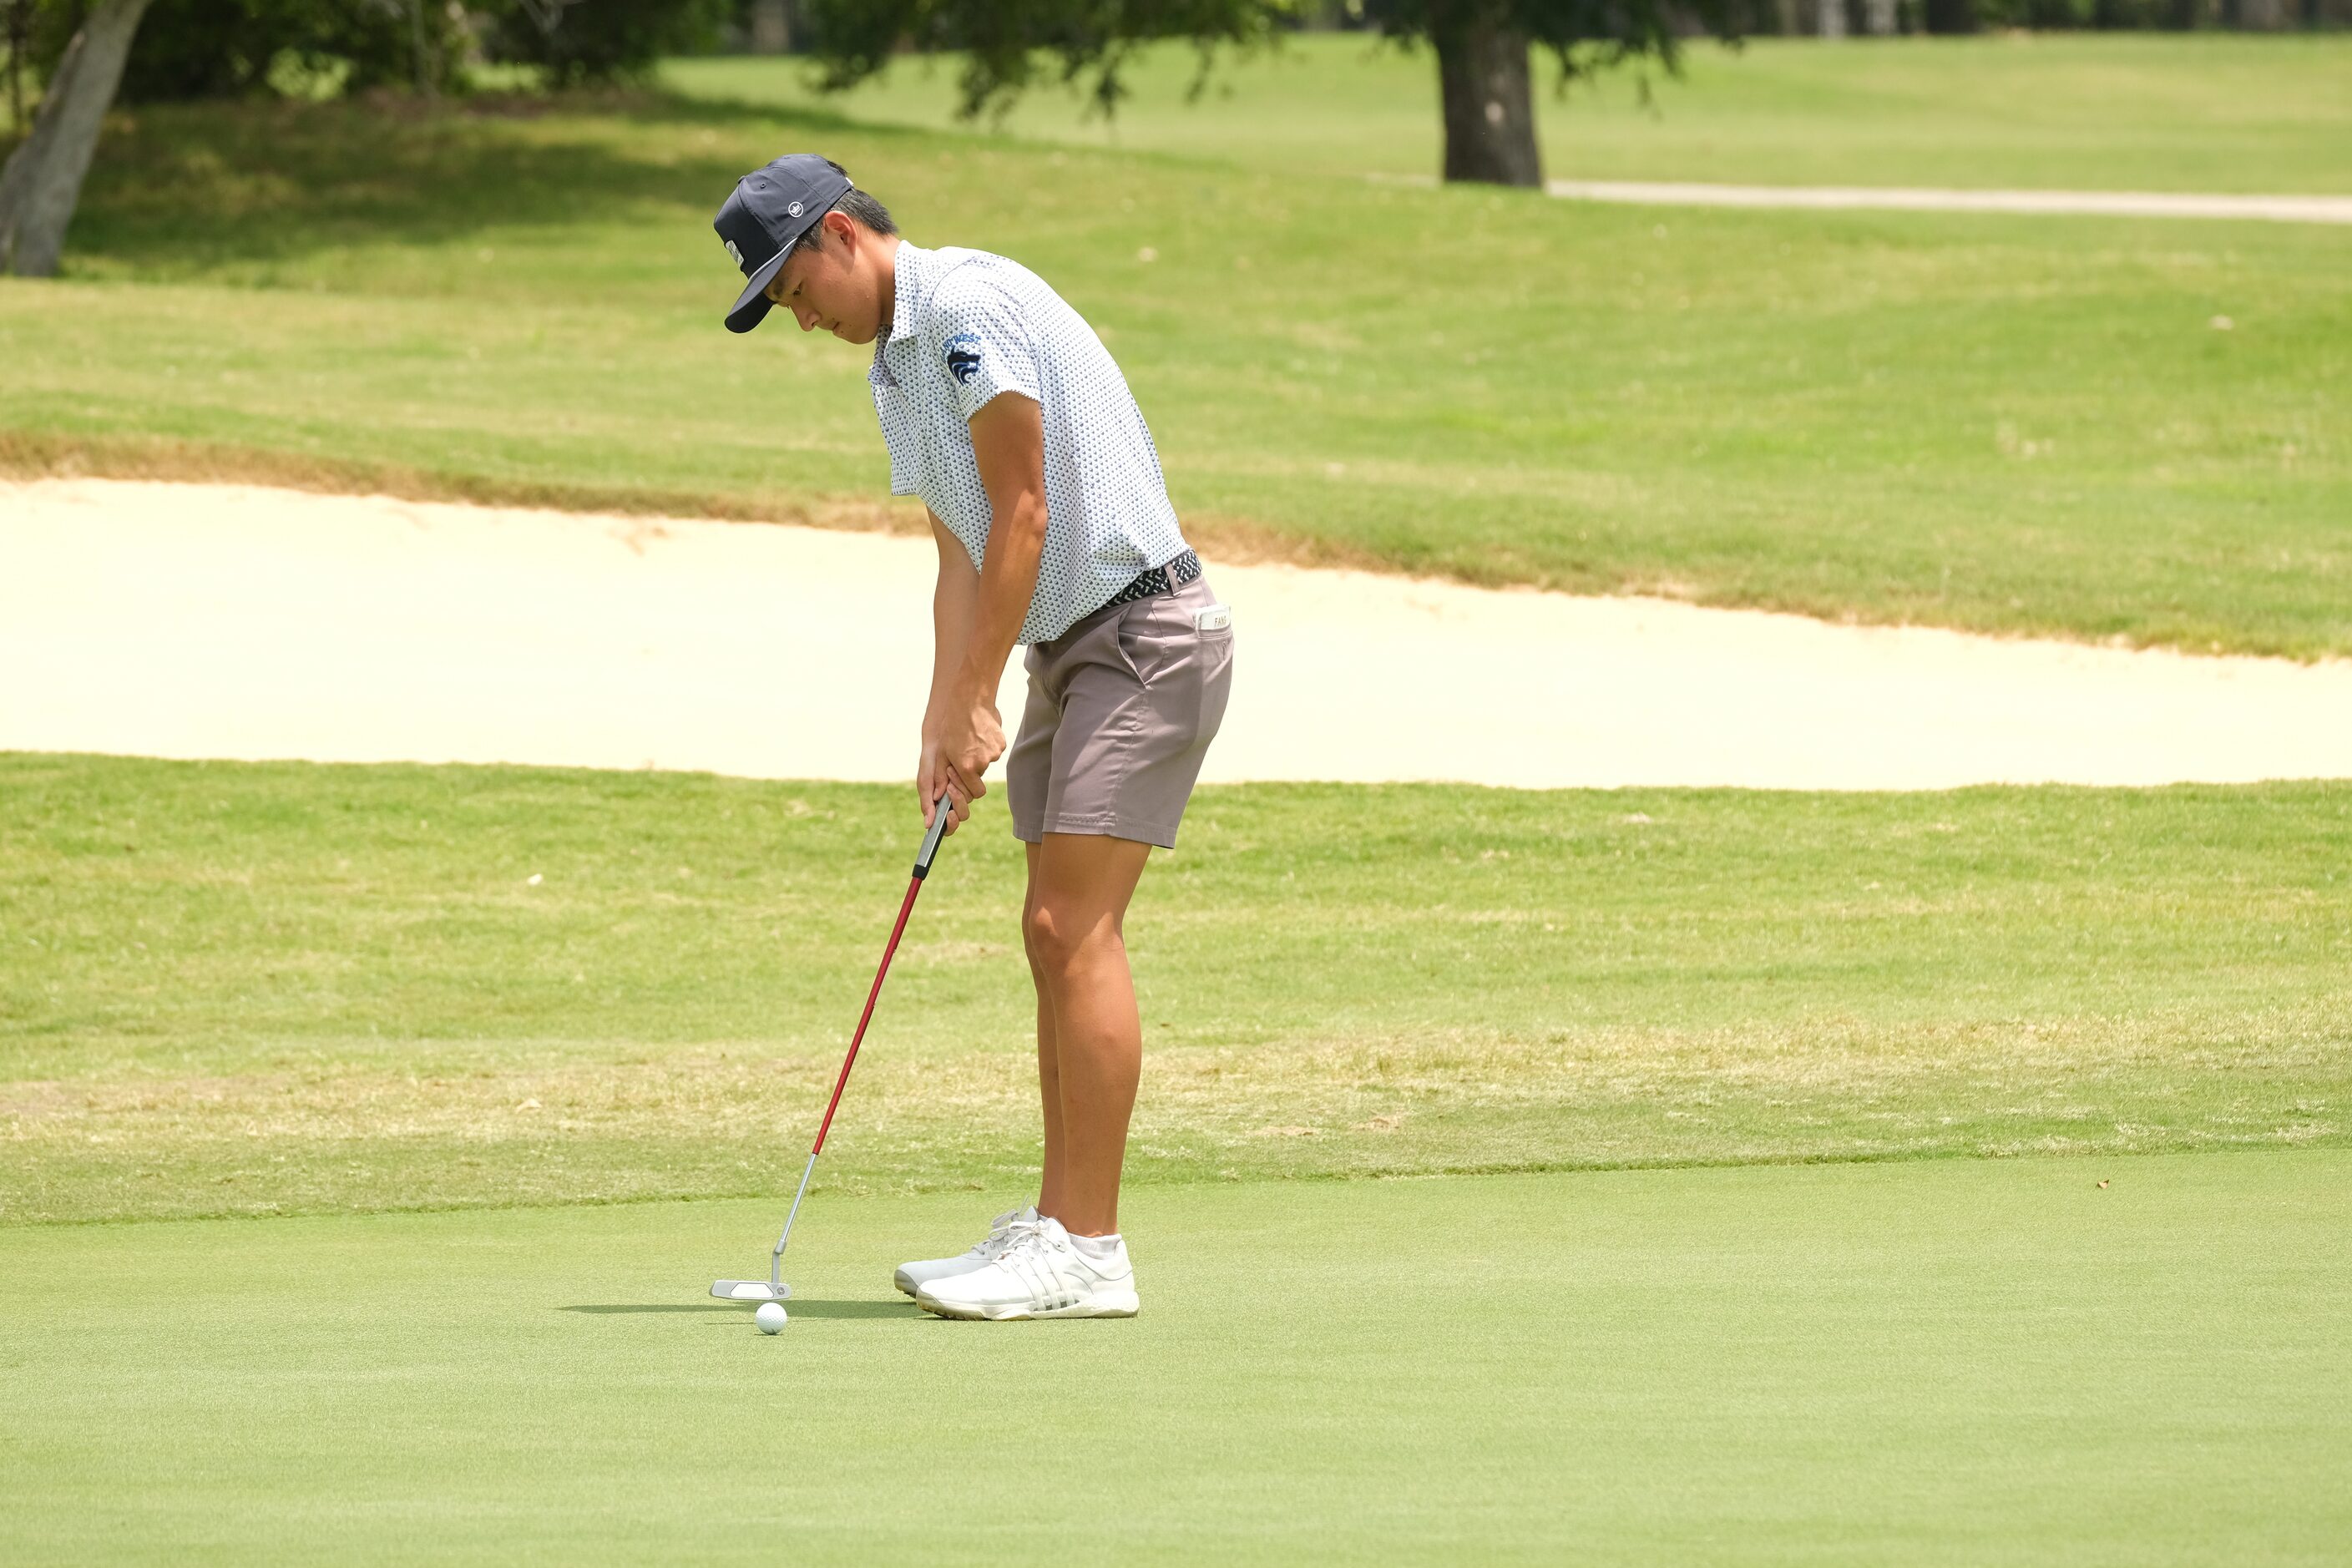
941,817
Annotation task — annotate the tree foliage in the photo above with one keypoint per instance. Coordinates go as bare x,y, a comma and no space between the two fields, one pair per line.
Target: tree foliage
1482,47
235,48
601,40
240,48
1009,46
1583,37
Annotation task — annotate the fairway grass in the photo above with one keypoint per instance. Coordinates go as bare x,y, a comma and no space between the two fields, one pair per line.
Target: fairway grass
2127,430
2068,1362
275,988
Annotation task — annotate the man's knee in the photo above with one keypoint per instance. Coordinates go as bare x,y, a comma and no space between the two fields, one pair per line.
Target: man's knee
1058,938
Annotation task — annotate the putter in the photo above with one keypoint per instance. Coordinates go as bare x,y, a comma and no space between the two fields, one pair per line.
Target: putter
773,1289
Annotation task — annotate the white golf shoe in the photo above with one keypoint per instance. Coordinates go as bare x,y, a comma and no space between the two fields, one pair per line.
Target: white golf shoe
1040,1273
912,1276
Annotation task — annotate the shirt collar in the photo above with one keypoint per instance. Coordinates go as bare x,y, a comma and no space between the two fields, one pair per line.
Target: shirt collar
914,272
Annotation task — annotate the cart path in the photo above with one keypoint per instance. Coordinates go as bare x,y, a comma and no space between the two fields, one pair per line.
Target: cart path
2088,204
233,621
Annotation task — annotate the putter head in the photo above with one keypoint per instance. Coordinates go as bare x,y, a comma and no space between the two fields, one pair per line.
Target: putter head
750,1291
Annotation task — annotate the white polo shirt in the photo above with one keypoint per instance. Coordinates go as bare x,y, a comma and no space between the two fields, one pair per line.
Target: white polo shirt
968,326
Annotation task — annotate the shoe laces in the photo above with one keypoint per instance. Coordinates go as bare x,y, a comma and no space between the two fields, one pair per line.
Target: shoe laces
1031,1244
1007,1233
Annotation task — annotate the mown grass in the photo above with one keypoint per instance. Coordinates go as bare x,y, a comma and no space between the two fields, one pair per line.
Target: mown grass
2081,111
2008,425
236,988
2032,1362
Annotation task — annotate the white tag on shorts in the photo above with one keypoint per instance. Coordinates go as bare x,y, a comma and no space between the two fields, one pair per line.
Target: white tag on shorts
1214,618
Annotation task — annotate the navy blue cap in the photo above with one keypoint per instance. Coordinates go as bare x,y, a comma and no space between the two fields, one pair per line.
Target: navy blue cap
771,209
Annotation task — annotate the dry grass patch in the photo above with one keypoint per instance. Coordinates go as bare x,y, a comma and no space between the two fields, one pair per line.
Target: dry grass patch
703,1123
26,455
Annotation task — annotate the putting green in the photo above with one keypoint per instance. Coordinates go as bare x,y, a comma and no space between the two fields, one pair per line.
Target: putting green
1994,1361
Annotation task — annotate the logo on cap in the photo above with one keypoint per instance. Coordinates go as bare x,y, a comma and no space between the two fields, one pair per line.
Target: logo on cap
735,251
794,210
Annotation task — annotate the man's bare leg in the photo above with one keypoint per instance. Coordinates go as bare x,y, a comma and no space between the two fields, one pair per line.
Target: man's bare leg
1089,1038
1049,1071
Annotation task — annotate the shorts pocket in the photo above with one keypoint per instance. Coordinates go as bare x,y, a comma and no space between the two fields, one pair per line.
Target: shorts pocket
1217,680
1158,638
1184,671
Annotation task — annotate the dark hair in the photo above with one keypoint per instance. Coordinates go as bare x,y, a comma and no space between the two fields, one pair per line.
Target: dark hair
857,206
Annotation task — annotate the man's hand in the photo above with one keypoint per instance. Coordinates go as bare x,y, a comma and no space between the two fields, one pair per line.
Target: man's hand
961,738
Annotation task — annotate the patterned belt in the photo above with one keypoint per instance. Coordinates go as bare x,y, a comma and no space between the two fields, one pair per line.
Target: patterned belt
1157,581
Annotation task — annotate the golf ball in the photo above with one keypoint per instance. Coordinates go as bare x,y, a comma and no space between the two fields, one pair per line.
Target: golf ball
770,1316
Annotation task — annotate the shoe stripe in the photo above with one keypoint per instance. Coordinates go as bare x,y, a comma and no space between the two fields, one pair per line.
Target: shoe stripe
1044,1279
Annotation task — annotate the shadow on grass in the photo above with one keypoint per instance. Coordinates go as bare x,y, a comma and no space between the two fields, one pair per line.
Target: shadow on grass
609,1308
903,1310
179,188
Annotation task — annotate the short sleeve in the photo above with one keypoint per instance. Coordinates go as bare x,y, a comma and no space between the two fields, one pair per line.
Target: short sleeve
983,343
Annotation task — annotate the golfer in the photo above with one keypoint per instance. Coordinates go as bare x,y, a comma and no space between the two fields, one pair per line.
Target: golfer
1004,410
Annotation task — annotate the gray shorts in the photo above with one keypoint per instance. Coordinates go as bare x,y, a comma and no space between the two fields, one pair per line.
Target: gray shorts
1122,708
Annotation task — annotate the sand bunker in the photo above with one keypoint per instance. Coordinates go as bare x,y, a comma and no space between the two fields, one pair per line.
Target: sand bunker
233,621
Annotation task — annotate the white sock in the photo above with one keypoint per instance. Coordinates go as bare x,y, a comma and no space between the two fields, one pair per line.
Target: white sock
1099,1247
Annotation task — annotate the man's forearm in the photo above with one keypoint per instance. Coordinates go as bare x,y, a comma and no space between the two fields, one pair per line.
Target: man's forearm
955,603
1008,443
1008,581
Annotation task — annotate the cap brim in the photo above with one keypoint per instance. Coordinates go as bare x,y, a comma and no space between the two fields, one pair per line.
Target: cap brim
753,307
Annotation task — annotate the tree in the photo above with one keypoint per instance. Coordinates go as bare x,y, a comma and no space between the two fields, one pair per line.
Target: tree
241,48
42,179
20,39
1485,83
575,42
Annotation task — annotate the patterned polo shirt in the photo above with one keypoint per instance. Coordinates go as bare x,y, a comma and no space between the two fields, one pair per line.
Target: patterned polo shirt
968,326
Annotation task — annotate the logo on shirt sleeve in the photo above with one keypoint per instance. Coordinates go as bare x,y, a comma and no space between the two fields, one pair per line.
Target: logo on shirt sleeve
963,351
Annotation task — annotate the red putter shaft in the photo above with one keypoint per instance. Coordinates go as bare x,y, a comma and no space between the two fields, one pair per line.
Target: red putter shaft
775,1290
905,908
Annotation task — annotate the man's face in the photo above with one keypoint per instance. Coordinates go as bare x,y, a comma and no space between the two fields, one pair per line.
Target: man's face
836,287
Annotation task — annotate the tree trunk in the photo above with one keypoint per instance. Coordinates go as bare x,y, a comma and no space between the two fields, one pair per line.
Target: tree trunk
1879,17
427,69
771,28
43,179
1489,109
17,176
1829,15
